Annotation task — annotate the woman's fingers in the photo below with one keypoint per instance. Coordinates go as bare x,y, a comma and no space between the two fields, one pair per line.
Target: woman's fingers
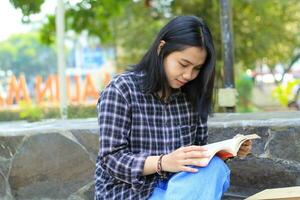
193,148
196,154
246,147
188,169
244,150
195,162
247,143
241,151
181,159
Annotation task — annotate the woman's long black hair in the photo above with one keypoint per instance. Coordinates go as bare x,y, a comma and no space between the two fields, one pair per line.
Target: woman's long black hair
180,33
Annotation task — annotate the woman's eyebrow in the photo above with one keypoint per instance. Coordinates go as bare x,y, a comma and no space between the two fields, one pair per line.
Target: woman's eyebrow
185,60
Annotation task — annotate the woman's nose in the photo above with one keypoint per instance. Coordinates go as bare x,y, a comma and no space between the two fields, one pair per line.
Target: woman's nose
188,74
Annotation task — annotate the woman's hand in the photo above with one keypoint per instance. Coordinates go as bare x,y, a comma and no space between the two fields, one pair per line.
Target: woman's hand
245,149
179,159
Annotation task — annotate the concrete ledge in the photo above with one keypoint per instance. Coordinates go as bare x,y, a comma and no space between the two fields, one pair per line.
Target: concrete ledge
41,160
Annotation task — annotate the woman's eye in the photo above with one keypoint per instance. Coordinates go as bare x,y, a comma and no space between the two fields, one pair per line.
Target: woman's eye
184,65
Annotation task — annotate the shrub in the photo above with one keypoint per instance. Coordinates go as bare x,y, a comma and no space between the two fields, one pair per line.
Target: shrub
285,93
9,115
31,113
244,86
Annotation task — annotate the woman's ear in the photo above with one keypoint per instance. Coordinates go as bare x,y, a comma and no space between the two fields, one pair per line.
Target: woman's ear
160,46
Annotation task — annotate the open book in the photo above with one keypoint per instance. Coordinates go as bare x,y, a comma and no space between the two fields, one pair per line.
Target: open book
227,148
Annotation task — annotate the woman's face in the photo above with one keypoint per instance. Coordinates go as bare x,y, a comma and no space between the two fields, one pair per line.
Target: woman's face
183,66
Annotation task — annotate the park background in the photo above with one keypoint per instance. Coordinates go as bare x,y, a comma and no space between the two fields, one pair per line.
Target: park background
104,37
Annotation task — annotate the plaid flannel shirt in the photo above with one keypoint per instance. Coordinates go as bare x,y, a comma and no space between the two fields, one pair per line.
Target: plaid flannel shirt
134,125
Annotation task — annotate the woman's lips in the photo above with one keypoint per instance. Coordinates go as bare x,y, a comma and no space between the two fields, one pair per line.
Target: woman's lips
181,82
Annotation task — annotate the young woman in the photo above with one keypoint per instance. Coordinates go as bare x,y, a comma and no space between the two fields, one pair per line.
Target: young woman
153,122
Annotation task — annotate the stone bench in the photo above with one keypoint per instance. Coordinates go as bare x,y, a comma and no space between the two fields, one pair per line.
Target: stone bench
56,159
275,159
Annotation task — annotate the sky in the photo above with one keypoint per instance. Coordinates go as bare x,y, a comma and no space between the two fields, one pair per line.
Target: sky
10,18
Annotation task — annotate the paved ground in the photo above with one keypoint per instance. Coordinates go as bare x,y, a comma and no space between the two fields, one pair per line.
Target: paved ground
262,98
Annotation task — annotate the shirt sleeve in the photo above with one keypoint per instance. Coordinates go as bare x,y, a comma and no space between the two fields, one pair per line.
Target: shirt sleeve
202,132
114,119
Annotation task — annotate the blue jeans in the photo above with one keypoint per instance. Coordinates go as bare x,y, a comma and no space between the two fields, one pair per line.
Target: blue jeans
209,183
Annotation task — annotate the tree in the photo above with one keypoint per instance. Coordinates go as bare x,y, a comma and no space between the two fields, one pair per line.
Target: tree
127,25
264,31
91,15
25,54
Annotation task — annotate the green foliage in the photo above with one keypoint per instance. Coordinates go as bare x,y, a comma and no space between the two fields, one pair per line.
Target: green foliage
264,31
9,115
91,15
82,111
28,6
284,92
96,15
127,26
135,30
51,113
47,31
249,108
24,53
244,86
31,113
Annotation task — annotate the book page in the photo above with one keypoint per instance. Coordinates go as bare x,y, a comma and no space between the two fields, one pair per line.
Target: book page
230,146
